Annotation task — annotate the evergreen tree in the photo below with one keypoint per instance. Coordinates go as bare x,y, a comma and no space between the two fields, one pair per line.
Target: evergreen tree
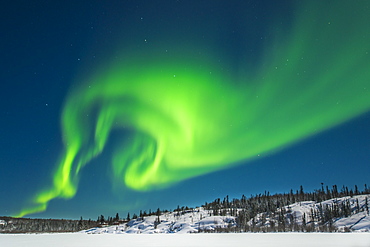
356,190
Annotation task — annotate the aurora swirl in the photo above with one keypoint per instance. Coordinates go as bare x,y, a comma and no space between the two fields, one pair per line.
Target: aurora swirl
183,118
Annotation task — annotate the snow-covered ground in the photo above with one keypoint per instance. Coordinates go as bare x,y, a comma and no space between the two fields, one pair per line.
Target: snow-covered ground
149,231
358,221
163,240
191,220
171,222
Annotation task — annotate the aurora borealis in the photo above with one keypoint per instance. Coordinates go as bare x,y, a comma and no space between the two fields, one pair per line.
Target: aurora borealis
173,112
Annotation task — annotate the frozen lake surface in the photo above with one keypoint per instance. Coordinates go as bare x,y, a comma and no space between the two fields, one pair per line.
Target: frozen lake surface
163,240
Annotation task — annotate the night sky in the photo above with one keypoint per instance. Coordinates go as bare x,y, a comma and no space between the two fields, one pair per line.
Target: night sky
189,100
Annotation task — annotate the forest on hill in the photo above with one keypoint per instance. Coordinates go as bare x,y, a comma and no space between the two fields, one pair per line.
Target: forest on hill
322,210
29,225
274,213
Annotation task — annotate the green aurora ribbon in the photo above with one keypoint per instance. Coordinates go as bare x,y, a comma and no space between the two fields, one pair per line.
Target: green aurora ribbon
183,118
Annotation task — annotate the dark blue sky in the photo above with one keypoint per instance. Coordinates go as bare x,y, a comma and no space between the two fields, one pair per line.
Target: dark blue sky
45,47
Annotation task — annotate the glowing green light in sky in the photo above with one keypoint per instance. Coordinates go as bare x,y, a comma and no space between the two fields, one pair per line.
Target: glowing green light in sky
184,118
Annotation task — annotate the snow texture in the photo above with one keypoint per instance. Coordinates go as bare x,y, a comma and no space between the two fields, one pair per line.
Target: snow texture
188,222
358,221
191,220
201,239
146,231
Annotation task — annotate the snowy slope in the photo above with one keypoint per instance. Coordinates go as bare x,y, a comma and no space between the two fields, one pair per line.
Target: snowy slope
358,221
171,222
185,240
192,220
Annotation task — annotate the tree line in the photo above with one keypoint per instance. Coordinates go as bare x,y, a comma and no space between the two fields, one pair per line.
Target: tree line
258,213
268,213
27,225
